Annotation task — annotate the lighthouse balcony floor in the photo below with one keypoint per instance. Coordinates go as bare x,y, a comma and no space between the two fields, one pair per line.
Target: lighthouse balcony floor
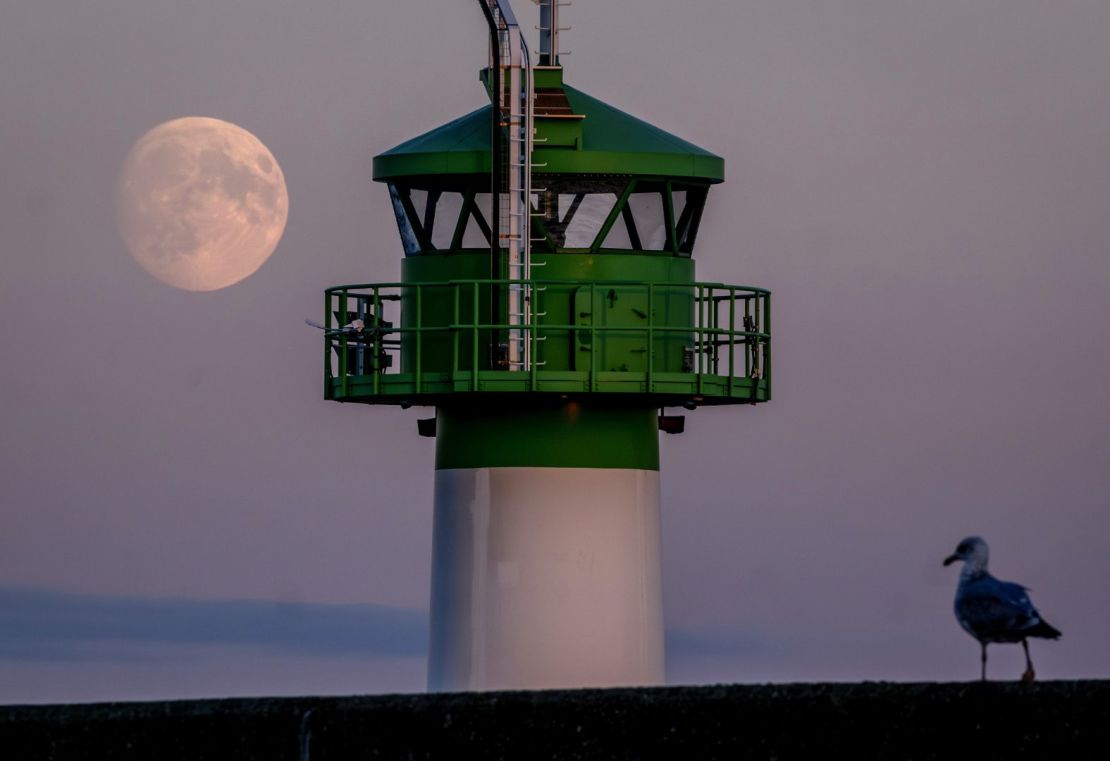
667,343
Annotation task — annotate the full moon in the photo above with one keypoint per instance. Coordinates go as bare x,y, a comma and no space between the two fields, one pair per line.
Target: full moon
201,203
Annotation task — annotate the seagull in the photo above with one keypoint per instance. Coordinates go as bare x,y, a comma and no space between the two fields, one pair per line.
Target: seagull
995,611
355,326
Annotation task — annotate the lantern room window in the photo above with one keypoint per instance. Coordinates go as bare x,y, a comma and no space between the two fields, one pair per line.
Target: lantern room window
571,214
576,218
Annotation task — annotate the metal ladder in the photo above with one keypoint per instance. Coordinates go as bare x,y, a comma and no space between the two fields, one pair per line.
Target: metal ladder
514,104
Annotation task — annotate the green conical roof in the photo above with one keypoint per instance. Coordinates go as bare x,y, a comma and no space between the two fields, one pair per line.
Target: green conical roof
612,142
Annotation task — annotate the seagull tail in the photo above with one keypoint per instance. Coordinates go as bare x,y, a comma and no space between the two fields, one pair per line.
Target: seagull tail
1044,629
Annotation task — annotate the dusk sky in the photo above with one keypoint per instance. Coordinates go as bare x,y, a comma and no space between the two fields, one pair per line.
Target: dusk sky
924,186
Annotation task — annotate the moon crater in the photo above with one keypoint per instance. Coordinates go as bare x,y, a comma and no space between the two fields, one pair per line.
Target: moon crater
201,203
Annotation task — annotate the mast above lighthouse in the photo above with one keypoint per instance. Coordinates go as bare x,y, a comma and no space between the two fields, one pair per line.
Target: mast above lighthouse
549,31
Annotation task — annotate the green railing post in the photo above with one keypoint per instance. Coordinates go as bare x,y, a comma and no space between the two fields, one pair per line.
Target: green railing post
715,325
694,327
345,380
454,332
377,359
766,328
699,364
593,337
757,355
327,345
731,336
711,337
474,348
651,337
419,334
749,322
532,345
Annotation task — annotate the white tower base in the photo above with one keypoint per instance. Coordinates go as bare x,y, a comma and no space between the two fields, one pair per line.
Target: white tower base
545,578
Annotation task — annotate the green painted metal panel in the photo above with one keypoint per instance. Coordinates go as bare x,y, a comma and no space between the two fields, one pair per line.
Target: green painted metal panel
612,142
443,306
549,77
557,434
608,129
557,133
621,305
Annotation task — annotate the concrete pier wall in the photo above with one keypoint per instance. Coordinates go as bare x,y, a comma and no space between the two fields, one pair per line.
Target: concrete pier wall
1050,720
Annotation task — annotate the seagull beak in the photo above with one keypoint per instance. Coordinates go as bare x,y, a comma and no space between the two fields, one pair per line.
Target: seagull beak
951,559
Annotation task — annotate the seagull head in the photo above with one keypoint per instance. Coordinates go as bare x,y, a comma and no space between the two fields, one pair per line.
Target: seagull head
973,551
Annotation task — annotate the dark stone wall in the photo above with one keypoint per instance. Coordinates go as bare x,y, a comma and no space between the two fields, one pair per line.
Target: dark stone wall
1050,720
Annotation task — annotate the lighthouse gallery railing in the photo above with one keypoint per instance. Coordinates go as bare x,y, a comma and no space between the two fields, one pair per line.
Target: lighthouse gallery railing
399,343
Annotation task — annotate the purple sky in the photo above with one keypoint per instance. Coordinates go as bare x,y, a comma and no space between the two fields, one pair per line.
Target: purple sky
924,186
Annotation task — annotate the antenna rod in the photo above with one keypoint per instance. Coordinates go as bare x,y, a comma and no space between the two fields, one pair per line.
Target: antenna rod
549,32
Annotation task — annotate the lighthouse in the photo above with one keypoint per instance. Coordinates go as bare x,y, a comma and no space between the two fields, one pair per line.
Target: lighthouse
548,311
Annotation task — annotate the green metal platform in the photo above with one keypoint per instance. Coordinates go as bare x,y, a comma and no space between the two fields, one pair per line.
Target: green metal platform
677,344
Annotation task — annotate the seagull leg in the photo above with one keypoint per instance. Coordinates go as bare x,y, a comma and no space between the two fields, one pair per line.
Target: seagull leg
983,662
1029,674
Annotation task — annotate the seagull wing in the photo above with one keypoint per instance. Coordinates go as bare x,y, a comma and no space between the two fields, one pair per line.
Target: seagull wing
996,611
356,328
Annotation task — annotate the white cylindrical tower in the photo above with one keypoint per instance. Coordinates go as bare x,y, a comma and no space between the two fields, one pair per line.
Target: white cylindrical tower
545,569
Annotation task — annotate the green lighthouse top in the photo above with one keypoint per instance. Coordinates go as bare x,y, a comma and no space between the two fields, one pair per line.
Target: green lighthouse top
577,134
548,258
